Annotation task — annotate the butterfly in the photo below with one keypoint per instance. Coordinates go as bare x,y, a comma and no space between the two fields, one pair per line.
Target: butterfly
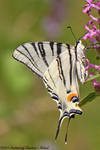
59,66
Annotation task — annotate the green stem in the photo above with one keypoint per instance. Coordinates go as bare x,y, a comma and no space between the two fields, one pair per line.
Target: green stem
92,78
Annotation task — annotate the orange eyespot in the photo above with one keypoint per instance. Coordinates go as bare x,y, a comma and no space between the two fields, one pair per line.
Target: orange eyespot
71,95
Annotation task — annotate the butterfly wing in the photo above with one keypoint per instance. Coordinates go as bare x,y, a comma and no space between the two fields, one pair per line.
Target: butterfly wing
59,66
51,61
61,75
81,62
38,56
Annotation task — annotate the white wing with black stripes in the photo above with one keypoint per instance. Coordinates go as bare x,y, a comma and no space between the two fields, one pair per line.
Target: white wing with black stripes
61,75
40,56
59,66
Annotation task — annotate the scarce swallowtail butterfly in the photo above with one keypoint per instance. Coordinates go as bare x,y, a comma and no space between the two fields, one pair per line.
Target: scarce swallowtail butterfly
59,66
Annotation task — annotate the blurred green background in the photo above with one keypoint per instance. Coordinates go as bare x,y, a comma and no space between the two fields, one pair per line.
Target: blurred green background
28,116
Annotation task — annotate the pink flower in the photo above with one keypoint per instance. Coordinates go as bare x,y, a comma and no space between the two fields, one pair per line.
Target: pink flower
94,18
96,84
91,66
91,5
94,46
89,1
93,34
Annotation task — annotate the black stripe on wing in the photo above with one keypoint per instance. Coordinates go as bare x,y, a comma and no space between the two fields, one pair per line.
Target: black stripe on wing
27,64
77,42
62,73
34,46
52,47
35,65
28,53
50,91
46,83
59,46
56,48
55,96
42,51
70,62
51,78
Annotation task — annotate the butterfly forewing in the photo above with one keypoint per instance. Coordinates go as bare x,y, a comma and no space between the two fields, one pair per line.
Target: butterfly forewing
38,56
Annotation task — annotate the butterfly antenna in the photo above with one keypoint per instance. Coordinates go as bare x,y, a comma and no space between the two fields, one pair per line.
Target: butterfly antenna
69,27
83,35
67,130
58,129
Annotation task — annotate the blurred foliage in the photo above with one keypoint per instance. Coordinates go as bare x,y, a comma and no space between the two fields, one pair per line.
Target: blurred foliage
88,98
28,116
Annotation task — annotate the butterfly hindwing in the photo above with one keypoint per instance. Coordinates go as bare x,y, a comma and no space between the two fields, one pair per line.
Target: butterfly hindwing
61,76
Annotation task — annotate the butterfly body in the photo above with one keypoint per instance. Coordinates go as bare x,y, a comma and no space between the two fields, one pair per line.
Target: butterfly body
59,66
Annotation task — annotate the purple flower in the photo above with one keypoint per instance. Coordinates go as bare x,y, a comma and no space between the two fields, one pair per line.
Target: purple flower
91,5
53,20
91,66
92,32
96,84
94,18
94,46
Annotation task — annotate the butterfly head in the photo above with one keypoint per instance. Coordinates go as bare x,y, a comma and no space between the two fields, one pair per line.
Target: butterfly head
80,48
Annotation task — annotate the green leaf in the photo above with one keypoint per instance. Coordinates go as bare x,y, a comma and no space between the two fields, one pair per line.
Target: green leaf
88,98
92,78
